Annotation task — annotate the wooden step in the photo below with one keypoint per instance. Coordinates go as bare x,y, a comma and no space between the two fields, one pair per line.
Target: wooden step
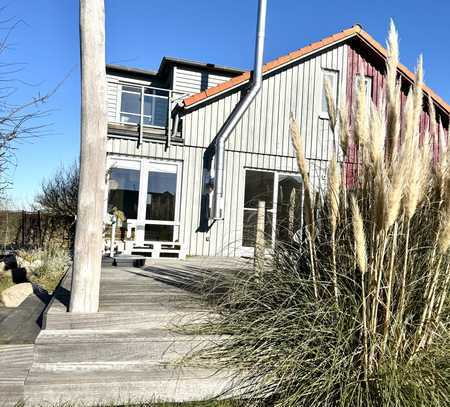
15,362
162,317
118,383
154,346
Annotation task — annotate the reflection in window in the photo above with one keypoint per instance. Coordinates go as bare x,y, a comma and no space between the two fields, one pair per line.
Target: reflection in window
289,206
155,109
258,187
161,196
249,230
156,104
158,233
124,191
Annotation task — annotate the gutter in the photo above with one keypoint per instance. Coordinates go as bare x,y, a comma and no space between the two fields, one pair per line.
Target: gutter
237,113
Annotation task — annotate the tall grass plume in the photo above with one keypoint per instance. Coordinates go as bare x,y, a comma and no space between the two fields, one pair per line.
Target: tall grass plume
357,312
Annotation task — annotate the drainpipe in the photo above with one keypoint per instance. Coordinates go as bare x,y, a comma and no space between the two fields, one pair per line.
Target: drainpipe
237,113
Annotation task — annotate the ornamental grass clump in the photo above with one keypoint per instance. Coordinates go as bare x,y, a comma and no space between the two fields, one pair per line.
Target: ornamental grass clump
357,314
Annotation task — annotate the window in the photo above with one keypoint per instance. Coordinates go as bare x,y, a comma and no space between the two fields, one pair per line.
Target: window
130,109
259,186
147,192
283,195
124,191
331,77
158,233
161,190
155,108
368,83
289,204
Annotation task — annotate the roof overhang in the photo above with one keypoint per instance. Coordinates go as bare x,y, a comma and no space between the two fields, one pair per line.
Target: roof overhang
305,52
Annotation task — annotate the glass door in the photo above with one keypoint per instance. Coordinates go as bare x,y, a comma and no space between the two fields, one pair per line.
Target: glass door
159,211
148,193
283,195
289,208
259,186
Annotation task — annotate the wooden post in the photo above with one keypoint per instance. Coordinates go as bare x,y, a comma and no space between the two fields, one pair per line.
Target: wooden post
88,236
113,236
260,245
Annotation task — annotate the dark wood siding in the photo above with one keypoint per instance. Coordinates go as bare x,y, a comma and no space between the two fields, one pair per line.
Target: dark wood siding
362,62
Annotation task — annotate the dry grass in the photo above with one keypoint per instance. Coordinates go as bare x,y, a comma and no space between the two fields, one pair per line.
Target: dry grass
5,281
358,315
51,264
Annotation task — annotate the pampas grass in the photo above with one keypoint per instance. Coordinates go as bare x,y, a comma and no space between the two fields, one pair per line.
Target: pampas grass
357,314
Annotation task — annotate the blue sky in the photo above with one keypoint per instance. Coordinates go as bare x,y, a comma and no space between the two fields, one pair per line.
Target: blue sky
140,32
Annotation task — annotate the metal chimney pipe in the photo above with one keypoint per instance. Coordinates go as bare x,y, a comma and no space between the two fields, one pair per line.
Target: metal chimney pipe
238,111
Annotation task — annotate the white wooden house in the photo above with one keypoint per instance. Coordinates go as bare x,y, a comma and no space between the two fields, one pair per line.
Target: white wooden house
162,126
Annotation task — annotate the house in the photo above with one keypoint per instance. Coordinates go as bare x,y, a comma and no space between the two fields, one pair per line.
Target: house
160,143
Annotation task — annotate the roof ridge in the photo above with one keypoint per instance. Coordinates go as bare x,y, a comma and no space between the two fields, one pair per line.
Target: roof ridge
276,63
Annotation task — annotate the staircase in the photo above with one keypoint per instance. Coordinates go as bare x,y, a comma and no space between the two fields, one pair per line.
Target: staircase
126,353
15,361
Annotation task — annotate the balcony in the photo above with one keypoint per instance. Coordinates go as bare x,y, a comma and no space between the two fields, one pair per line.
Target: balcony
144,112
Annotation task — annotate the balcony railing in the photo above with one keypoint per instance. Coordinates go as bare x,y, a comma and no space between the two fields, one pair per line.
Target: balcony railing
146,107
143,105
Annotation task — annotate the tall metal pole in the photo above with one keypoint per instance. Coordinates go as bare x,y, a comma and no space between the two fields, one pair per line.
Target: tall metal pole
88,237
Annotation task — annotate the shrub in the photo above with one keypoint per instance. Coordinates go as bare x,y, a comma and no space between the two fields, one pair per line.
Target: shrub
45,266
6,281
358,315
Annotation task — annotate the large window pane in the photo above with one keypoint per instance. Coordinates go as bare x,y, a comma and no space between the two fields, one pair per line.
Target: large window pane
161,196
131,103
160,115
158,233
129,118
155,111
289,214
124,191
258,187
249,230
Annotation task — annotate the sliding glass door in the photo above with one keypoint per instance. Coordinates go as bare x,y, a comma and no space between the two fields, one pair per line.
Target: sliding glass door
147,192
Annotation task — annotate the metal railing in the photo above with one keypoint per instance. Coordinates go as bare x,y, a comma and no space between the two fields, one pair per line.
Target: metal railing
144,107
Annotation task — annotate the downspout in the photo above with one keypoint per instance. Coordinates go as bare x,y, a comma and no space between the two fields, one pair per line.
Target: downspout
238,112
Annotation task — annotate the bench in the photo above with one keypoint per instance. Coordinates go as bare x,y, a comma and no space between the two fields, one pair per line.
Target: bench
157,250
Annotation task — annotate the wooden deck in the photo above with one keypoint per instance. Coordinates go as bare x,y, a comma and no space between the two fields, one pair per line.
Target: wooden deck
19,328
15,362
128,351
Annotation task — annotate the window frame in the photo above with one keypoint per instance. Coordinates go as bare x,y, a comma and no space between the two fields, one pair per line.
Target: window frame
144,166
335,85
247,250
369,88
140,89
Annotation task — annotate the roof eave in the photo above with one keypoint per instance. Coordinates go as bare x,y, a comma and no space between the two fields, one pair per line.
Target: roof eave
354,32
268,69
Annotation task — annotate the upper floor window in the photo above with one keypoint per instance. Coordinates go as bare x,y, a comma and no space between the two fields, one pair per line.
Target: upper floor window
368,83
151,102
332,77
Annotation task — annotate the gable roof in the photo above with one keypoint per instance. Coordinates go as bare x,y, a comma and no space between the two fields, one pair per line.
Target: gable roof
354,32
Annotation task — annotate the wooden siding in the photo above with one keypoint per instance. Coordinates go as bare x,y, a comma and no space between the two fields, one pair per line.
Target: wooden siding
360,62
191,81
224,238
112,95
261,140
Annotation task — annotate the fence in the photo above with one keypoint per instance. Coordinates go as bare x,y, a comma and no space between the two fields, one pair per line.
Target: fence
22,229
